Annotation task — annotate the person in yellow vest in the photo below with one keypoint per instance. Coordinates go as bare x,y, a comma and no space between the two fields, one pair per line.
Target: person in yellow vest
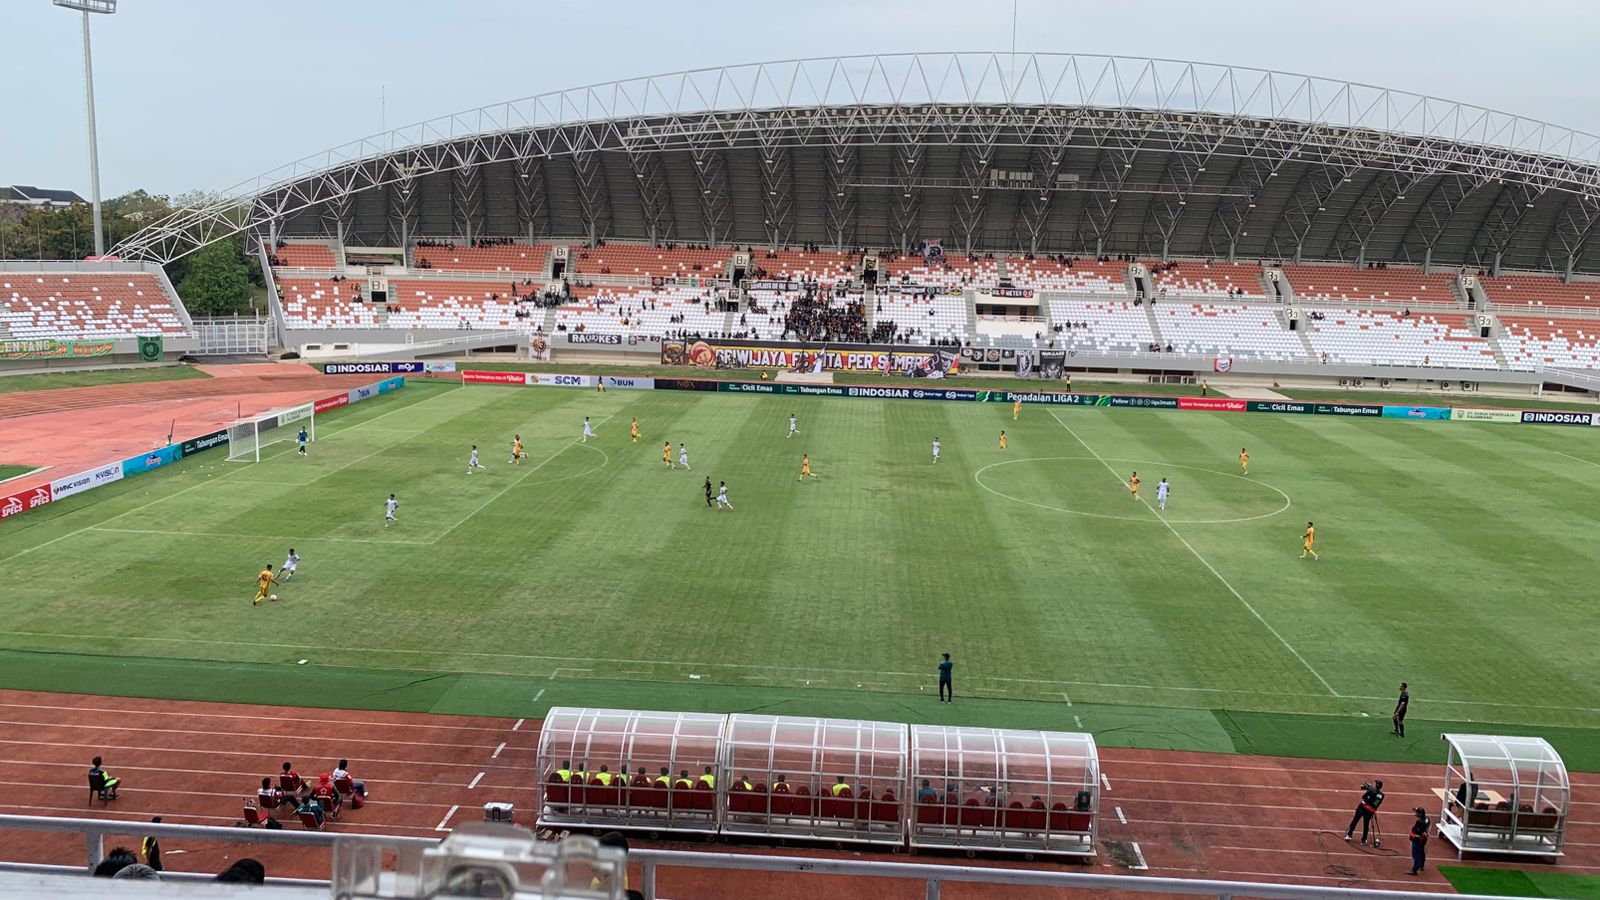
744,783
664,780
565,772
612,839
579,776
682,782
633,431
1002,440
603,776
840,786
1016,409
780,785
708,779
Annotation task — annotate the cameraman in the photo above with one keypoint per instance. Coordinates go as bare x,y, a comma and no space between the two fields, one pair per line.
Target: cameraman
1371,799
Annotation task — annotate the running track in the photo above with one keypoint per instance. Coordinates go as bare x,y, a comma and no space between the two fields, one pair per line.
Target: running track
1191,814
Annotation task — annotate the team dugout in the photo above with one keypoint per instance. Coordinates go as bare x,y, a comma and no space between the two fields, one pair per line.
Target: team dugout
1503,795
984,788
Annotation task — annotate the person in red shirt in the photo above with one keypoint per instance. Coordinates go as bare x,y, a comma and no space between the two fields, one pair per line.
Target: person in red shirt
291,781
326,795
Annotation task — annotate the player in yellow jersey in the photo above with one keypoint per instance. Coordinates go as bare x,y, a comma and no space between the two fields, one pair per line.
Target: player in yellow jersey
517,453
1016,410
666,453
633,431
1133,485
1244,460
1002,440
264,581
805,466
1308,541
600,384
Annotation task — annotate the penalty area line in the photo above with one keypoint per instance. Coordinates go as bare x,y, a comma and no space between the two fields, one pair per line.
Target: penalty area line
1203,561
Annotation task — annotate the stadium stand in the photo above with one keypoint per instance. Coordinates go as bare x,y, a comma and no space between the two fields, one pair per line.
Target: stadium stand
1529,342
943,272
651,262
45,305
651,312
1541,290
1383,337
1101,326
512,258
323,303
1086,278
303,256
804,265
1246,332
1207,280
426,303
1342,284
940,318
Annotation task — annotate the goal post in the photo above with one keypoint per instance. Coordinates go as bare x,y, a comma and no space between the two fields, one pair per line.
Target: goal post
247,437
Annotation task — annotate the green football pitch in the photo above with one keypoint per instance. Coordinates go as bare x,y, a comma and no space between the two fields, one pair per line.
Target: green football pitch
1458,557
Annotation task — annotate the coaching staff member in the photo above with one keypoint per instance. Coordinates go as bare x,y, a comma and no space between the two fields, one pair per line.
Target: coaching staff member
1400,711
1419,841
947,691
1371,799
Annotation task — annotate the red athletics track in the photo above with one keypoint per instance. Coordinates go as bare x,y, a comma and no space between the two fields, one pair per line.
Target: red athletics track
1192,814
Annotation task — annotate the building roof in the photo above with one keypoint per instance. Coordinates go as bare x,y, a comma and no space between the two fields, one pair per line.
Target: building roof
27,193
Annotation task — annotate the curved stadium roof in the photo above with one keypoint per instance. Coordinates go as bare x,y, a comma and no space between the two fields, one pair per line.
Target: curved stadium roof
989,151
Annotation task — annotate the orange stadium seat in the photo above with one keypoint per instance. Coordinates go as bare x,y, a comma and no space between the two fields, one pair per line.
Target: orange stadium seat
1541,291
85,306
514,259
1342,284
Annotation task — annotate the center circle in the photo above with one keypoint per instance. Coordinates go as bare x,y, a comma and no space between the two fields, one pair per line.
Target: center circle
1147,489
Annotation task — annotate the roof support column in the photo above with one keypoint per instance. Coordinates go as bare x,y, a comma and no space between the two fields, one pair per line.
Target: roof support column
777,192
594,196
711,178
841,203
655,199
533,205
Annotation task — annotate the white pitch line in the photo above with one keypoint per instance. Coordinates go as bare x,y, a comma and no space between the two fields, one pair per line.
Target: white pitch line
440,826
1077,722
479,777
1120,817
253,537
535,700
1203,561
523,477
1104,781
496,753
1139,855
519,722
1586,462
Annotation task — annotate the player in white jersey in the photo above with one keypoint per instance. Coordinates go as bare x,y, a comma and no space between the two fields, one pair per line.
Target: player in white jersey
588,432
389,506
290,564
722,497
794,425
1162,490
472,462
935,449
683,456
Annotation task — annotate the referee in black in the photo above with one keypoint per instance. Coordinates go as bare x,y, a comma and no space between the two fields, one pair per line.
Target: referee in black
708,490
1371,799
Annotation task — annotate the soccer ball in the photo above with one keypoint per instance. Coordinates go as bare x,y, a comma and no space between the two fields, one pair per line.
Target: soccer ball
273,597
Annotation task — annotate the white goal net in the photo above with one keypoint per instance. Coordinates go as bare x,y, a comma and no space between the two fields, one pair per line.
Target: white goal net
247,437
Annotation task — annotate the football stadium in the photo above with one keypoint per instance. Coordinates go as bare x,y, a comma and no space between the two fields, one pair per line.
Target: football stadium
952,474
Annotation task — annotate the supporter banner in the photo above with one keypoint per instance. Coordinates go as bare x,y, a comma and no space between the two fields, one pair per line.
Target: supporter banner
1279,406
1348,409
22,501
1222,364
772,285
51,349
686,384
1010,292
772,356
1477,414
1024,365
1556,417
473,377
439,368
207,441
1214,404
629,384
552,379
1052,363
83,481
155,459
328,403
583,337
1416,412
375,368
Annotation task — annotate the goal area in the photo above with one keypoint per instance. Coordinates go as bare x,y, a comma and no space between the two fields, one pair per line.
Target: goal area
247,437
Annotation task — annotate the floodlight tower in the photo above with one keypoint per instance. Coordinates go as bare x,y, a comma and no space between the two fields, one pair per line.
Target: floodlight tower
103,7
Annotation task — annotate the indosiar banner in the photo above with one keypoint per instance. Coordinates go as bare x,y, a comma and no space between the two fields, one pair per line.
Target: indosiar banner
1556,417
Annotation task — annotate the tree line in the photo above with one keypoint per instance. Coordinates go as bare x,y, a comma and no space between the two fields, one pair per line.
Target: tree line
217,280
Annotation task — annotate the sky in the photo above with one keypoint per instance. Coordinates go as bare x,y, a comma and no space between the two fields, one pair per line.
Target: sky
204,94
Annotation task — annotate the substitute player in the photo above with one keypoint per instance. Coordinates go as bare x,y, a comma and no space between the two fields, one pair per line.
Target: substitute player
389,506
1002,440
633,431
805,467
722,497
588,432
472,459
1016,410
1162,490
666,453
291,564
794,425
936,450
1308,541
263,581
1244,460
1133,485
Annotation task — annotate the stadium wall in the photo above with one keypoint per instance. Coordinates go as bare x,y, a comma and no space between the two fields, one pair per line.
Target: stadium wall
108,473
